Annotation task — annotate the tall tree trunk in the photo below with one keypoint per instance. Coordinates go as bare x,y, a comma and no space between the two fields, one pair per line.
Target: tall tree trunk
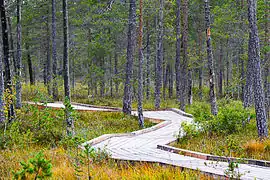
147,60
178,50
165,79
29,62
254,56
170,81
220,75
66,51
189,87
213,102
228,70
19,58
8,81
248,93
54,53
116,74
44,71
48,63
111,76
2,89
201,66
140,70
159,57
69,119
185,57
267,63
90,65
89,82
102,78
95,79
12,53
127,100
73,73
242,61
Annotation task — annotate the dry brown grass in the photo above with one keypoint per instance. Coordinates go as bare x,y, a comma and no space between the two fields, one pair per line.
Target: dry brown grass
63,168
254,146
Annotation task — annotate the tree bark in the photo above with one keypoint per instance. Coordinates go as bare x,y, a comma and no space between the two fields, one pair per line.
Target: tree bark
148,52
228,67
140,70
242,61
127,99
12,53
184,78
2,89
178,50
48,63
19,58
254,56
69,119
116,73
111,77
213,102
165,79
267,63
102,77
159,57
220,75
8,82
54,53
189,89
29,62
170,81
248,93
201,66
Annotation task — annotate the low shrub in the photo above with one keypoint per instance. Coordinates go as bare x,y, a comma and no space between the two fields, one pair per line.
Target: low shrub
34,125
186,132
231,116
36,168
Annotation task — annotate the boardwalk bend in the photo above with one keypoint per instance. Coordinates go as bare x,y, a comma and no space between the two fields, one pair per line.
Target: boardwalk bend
142,145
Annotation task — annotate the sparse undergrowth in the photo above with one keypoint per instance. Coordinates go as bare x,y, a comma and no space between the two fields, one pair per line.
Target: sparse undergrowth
80,95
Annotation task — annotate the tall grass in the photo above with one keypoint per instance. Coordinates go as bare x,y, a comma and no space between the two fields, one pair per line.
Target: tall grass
63,167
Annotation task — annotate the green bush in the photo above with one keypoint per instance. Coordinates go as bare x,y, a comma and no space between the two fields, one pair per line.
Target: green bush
230,118
186,132
34,125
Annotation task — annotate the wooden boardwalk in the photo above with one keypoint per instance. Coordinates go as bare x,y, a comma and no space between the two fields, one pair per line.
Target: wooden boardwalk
143,147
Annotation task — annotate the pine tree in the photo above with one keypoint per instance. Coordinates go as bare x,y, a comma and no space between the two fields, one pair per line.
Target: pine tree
254,57
69,119
159,57
127,100
140,70
19,58
213,100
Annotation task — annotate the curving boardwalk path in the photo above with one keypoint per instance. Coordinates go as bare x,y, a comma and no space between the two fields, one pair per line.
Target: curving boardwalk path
143,146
